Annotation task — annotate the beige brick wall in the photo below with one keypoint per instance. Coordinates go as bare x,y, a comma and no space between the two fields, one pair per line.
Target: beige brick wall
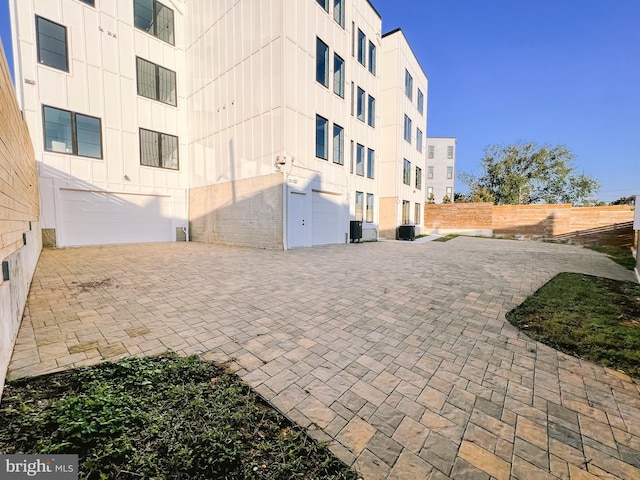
245,212
20,238
475,218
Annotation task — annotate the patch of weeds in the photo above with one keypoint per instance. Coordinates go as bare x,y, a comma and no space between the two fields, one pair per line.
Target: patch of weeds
446,238
590,317
620,255
161,417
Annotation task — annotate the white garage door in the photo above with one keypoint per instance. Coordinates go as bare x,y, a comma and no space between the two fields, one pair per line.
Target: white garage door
102,218
325,224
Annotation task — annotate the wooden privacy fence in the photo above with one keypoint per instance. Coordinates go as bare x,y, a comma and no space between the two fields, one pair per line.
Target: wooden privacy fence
562,221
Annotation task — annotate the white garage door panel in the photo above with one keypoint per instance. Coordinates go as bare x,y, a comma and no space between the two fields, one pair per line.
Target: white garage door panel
97,218
325,219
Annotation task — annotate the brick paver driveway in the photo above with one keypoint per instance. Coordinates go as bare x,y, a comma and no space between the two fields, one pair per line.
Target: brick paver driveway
399,353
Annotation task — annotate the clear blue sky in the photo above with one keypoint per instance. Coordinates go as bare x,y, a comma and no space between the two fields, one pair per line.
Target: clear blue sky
549,71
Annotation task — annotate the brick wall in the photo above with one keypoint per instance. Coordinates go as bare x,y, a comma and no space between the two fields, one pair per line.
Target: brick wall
528,220
245,212
20,238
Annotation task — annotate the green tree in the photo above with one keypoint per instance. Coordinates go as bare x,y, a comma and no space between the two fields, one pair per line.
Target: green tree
523,173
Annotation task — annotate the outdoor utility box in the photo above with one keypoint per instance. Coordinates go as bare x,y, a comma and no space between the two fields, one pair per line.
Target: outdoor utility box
407,232
356,230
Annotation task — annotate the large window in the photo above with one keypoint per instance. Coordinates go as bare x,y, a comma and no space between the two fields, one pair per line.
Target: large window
418,178
360,104
449,152
359,202
406,172
89,2
322,137
406,218
429,173
408,85
360,160
156,82
369,207
52,44
352,156
338,144
407,128
420,102
324,4
154,18
371,158
338,12
158,149
338,75
416,216
372,58
322,62
419,140
73,133
449,173
449,195
430,197
362,42
371,111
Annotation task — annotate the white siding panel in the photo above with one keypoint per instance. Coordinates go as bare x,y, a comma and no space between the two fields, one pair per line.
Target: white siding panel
325,223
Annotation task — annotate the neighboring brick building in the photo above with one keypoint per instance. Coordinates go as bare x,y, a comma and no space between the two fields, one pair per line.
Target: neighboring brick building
20,238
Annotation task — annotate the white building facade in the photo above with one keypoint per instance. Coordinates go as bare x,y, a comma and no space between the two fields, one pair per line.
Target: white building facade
441,165
404,126
271,124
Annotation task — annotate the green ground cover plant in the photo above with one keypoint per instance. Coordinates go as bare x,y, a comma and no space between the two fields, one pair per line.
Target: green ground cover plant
161,417
590,317
446,238
620,255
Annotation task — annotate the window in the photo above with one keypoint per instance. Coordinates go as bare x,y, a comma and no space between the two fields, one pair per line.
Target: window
407,129
89,2
449,196
430,194
158,149
408,85
324,4
351,157
429,172
360,104
359,201
362,40
353,42
419,140
420,102
154,18
430,148
338,144
360,160
371,157
338,12
450,152
405,212
369,207
371,111
416,217
449,173
72,133
352,98
418,178
52,44
322,62
372,58
406,172
338,75
322,137
156,82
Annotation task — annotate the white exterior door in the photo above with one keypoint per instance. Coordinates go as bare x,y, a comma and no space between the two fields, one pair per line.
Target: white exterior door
102,218
297,220
325,219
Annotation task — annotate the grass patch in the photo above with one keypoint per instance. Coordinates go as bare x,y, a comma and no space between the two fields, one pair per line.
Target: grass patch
590,317
620,255
162,417
446,238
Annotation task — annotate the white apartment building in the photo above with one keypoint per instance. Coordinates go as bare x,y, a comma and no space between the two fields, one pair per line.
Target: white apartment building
239,122
441,163
404,126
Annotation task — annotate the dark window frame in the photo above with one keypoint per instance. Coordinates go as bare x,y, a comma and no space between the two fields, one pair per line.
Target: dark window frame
406,172
418,178
362,47
324,4
340,15
74,132
325,139
338,75
360,159
325,61
371,111
372,52
159,134
371,158
39,46
157,82
153,30
340,150
369,208
360,104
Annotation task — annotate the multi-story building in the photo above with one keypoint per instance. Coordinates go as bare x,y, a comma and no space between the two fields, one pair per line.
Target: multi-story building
404,123
441,163
249,123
